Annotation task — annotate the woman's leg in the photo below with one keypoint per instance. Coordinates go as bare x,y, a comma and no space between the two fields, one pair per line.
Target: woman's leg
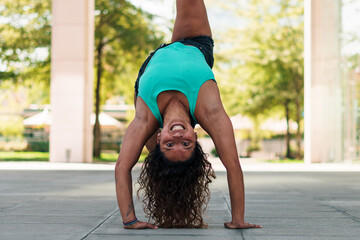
191,20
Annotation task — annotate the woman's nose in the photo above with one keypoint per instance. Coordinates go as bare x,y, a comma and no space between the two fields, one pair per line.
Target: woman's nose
177,135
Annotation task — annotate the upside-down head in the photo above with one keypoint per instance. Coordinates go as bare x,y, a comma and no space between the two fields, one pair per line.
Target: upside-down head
176,193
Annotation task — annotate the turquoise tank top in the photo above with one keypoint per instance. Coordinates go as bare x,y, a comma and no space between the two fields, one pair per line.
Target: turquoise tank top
176,67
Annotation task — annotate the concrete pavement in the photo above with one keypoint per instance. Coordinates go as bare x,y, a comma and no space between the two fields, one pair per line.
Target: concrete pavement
81,204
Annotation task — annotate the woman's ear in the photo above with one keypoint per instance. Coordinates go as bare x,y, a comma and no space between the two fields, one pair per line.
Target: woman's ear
158,138
196,136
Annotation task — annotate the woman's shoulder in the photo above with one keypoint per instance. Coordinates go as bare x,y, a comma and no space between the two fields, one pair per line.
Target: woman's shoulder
143,114
208,102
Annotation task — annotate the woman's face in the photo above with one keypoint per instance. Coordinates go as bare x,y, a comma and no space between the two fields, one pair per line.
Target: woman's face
177,140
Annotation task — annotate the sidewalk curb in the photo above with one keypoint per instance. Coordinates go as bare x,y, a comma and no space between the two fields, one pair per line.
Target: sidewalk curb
217,166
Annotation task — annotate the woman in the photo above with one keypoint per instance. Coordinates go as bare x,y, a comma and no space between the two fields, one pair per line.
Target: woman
175,90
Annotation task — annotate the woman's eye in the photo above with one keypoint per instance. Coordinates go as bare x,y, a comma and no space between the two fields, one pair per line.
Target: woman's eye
169,144
186,144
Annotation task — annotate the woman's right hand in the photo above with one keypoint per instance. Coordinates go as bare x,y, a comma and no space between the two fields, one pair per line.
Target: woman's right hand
141,225
240,225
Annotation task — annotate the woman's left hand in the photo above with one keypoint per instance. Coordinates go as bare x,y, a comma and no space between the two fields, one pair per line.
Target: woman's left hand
141,225
240,225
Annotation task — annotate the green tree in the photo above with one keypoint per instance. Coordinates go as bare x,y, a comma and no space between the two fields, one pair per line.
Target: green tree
24,46
11,102
25,37
266,60
123,37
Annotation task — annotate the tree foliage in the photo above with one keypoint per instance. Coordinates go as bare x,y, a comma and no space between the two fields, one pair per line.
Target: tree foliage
25,37
123,36
266,59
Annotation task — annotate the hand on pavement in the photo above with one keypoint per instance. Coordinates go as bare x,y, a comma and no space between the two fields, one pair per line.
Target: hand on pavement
141,225
241,225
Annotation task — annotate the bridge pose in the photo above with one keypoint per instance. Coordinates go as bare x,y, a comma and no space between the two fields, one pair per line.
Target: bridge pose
175,90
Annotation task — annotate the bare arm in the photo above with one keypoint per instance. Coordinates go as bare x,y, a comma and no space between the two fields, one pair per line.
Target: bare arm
213,118
221,132
151,143
138,132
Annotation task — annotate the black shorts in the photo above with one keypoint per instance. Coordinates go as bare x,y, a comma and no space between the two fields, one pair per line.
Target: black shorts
204,43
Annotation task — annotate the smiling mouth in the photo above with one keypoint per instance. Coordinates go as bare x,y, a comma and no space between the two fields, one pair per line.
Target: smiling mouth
177,127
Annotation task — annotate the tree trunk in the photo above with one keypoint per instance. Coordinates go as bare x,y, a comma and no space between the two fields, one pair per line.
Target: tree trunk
287,136
298,132
255,135
97,132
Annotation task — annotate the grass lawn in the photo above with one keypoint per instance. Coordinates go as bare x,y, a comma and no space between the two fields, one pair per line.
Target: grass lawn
286,160
24,156
104,158
44,157
112,157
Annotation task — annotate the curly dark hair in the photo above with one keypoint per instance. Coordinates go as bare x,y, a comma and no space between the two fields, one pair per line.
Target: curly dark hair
176,193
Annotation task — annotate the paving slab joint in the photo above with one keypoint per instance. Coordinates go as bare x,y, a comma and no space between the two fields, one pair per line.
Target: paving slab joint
101,223
226,202
342,211
229,209
12,208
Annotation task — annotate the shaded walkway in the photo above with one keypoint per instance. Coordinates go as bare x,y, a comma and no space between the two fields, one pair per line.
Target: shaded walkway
82,205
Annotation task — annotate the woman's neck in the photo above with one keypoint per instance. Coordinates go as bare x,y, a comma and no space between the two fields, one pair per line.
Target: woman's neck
175,109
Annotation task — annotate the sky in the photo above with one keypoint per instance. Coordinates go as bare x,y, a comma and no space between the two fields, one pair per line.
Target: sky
166,9
350,25
350,19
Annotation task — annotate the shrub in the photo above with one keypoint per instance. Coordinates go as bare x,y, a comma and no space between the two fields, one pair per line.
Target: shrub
13,145
214,152
38,146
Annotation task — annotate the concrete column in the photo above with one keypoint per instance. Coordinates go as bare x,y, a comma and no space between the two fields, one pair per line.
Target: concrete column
323,111
71,80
